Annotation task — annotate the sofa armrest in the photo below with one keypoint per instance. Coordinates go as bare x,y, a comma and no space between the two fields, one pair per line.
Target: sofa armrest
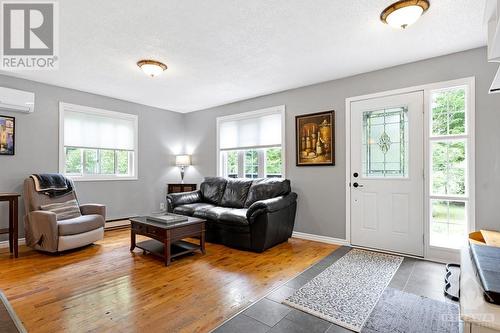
42,231
97,209
271,205
183,198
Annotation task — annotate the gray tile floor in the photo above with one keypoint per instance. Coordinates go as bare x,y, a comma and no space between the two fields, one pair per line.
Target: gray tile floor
269,315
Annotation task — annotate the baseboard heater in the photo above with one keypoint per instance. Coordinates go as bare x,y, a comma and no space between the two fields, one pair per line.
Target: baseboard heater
117,224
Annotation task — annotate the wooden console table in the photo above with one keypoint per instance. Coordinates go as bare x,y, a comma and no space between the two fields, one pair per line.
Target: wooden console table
177,188
12,230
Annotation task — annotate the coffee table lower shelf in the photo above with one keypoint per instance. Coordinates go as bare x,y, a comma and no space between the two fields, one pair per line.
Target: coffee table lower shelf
177,248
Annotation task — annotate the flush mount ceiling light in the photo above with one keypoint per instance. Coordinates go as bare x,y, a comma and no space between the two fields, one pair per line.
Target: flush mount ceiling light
404,13
151,67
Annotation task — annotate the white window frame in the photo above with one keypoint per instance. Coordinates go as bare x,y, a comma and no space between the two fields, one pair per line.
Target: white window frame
430,253
221,163
113,114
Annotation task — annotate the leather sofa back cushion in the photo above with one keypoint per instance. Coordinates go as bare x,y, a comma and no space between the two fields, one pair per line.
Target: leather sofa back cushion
212,189
267,188
236,193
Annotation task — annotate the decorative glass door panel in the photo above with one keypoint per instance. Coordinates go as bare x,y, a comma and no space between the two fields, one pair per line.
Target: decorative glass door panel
385,143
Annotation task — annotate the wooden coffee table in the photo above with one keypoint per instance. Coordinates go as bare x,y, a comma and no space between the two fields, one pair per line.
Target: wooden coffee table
167,238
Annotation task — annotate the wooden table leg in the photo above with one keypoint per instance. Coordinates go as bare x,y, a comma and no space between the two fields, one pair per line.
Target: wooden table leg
202,241
132,240
166,249
11,226
15,221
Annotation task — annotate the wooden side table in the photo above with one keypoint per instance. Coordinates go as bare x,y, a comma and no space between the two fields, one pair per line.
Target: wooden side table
177,188
13,231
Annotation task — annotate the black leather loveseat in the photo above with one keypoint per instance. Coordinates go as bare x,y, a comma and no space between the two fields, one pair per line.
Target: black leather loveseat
242,213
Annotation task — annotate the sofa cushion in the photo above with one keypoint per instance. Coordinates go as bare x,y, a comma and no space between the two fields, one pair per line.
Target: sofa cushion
188,209
236,192
212,189
63,210
79,225
182,198
234,217
210,213
267,188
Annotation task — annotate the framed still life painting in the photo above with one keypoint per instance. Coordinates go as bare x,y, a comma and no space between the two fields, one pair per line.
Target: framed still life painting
315,135
7,135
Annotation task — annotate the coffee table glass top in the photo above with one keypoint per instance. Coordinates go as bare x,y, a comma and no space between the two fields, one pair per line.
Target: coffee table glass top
169,225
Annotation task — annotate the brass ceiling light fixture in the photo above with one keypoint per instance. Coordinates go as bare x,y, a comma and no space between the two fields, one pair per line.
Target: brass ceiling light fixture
403,13
151,67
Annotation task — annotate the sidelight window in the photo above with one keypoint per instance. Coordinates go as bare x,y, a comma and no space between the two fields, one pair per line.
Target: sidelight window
449,186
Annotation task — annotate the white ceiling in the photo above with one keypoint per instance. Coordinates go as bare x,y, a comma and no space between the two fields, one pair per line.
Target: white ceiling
221,51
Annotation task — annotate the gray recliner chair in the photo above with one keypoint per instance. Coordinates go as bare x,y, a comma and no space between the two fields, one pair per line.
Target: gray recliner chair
45,233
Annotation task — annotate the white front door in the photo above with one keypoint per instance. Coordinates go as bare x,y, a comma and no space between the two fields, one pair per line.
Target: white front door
387,173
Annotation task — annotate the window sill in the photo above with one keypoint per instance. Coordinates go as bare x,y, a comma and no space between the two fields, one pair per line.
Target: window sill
98,179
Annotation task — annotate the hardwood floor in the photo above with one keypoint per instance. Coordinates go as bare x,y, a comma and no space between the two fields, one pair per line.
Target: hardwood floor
105,288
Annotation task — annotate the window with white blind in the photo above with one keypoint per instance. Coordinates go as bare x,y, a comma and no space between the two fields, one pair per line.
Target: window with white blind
251,144
97,144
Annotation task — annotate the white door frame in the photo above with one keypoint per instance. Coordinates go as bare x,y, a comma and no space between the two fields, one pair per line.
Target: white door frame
426,88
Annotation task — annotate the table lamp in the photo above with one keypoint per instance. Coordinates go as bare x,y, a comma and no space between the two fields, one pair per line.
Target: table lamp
182,161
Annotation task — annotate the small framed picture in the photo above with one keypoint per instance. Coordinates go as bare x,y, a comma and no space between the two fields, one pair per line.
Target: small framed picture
315,144
7,135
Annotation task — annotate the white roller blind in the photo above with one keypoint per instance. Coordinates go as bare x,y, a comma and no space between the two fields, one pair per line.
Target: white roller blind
252,132
90,130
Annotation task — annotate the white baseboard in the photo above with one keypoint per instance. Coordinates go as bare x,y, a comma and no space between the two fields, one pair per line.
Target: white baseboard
295,234
322,239
5,244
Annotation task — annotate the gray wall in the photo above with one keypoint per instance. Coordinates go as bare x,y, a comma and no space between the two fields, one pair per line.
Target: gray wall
37,135
321,190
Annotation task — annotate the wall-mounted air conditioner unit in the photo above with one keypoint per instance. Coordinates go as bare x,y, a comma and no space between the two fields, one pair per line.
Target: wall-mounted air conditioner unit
495,86
16,100
492,19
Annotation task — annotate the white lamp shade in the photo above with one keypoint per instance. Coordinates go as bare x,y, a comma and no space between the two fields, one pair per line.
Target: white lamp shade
403,17
183,160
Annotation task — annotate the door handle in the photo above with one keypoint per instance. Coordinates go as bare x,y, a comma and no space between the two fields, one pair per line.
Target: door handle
357,185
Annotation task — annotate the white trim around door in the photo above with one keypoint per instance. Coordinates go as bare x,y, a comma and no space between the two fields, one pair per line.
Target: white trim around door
430,253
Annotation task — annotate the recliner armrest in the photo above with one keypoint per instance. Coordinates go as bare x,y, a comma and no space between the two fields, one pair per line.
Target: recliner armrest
271,205
97,209
43,216
44,231
183,198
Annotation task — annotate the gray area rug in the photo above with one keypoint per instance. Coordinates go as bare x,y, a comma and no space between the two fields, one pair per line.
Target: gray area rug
346,292
402,312
9,322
